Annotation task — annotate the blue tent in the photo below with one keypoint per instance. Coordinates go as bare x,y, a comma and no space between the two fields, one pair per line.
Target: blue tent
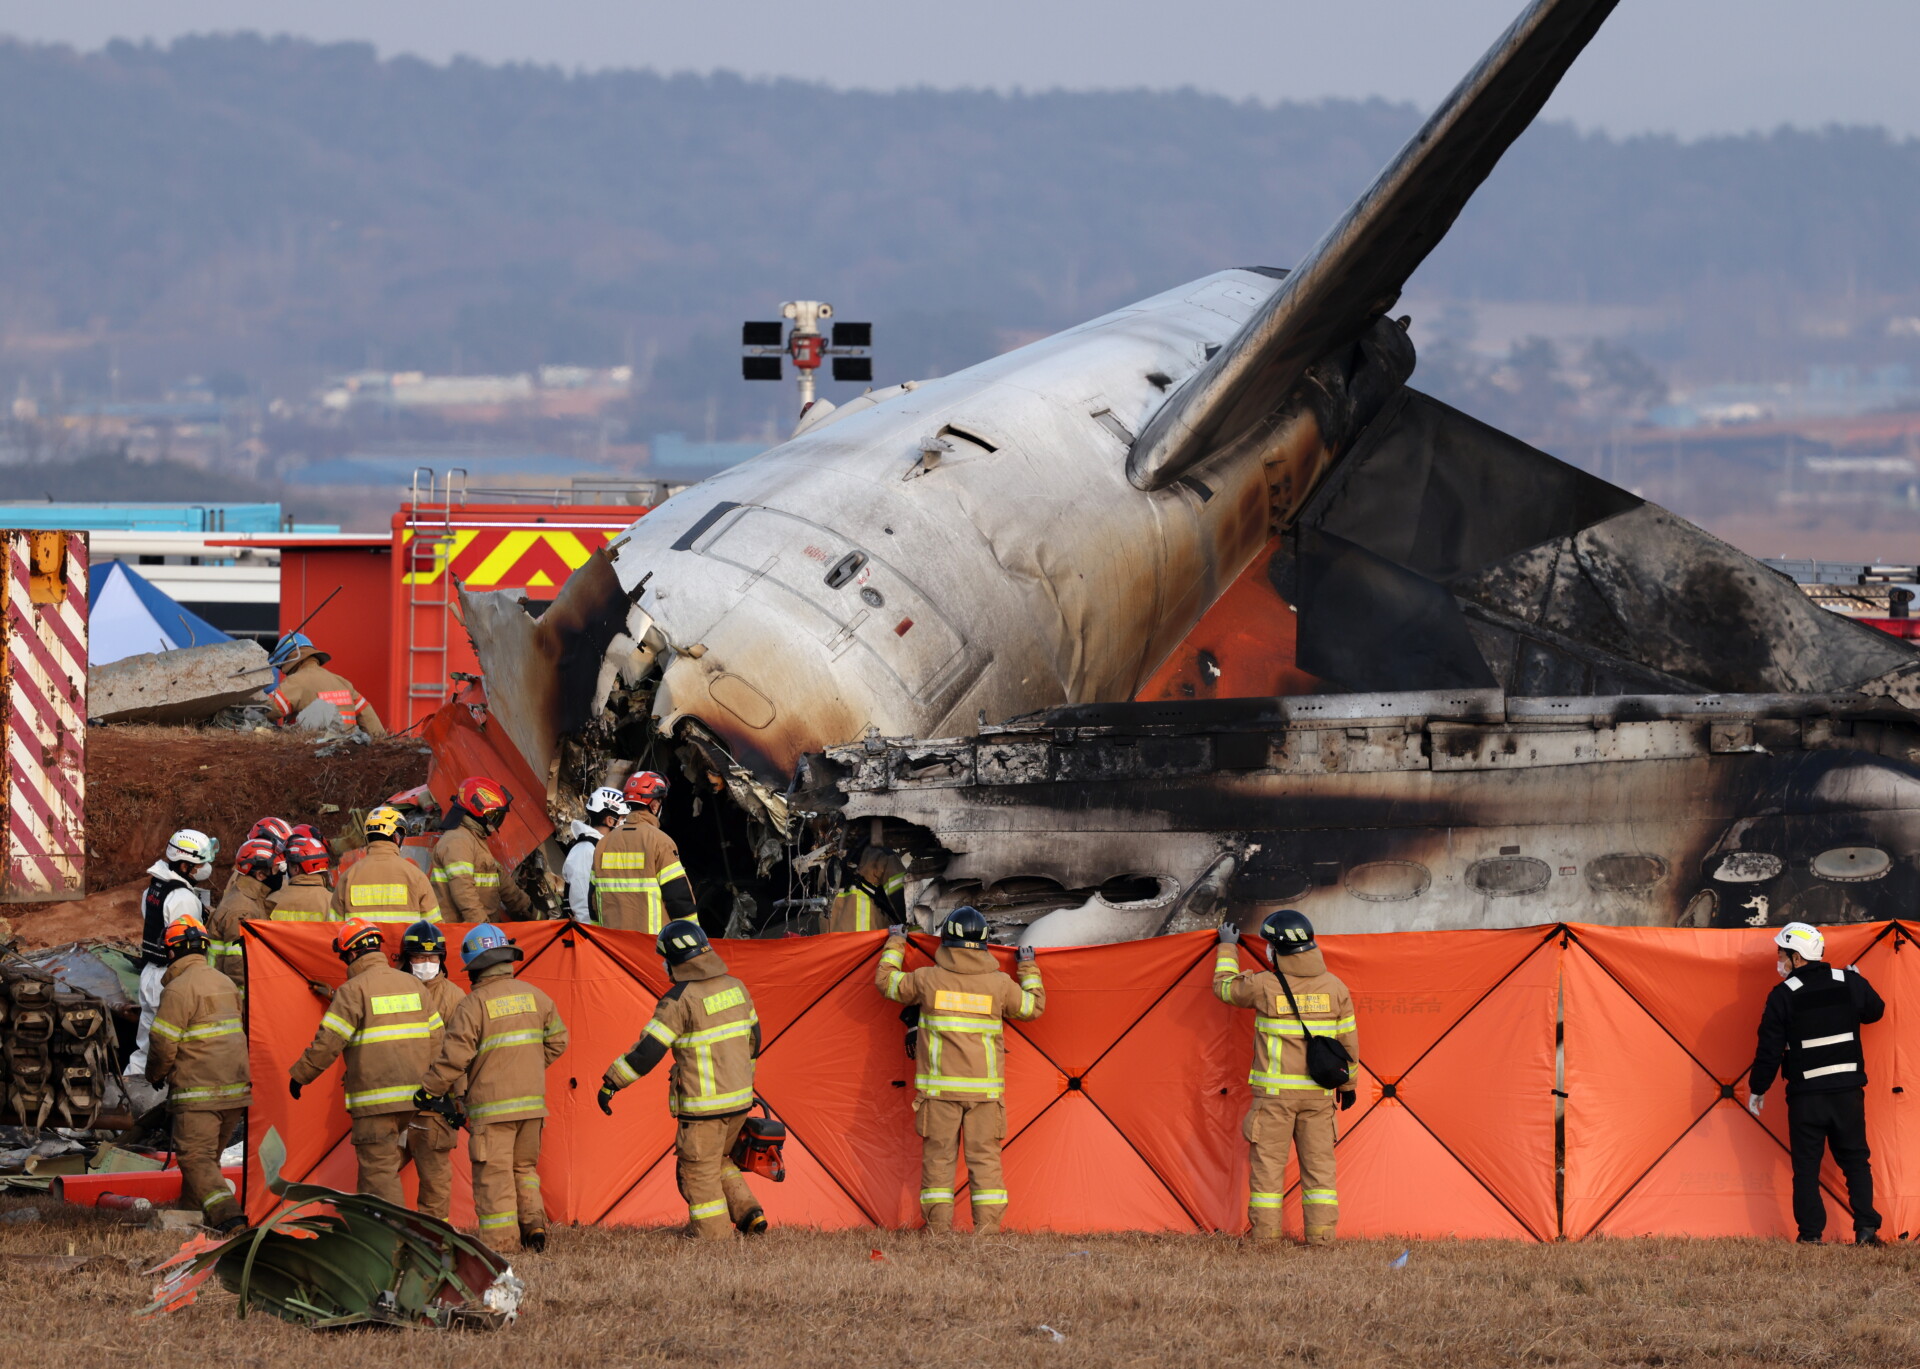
126,616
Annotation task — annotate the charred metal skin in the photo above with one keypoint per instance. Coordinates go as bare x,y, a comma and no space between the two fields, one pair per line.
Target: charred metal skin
1412,812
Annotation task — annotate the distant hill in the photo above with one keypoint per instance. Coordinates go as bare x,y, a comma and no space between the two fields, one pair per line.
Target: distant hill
261,204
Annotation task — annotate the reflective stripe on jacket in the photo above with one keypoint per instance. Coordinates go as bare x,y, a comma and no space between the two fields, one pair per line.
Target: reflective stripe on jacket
855,909
310,681
384,886
384,1022
469,881
500,1040
303,898
710,1024
198,1047
245,897
1280,1044
962,997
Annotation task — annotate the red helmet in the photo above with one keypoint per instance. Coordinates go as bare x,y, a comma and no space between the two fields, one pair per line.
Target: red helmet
260,857
306,855
275,830
482,797
645,786
355,938
306,829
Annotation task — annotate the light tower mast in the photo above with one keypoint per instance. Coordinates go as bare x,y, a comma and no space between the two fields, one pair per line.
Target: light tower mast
806,346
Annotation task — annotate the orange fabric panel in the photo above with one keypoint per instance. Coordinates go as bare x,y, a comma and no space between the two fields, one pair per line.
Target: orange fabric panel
1893,1090
1072,1170
1396,1179
1485,1090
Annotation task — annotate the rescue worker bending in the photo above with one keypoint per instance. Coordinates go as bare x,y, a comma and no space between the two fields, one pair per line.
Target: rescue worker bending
469,880
303,680
199,1052
499,1042
381,1021
259,868
1294,1000
707,1019
959,1077
639,883
875,892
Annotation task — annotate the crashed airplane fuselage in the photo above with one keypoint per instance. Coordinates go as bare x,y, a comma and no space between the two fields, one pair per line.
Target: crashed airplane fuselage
1055,527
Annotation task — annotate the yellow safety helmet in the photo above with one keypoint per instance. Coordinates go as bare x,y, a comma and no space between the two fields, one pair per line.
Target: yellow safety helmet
384,822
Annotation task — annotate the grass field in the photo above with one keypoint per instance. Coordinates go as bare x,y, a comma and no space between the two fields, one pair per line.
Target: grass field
601,1297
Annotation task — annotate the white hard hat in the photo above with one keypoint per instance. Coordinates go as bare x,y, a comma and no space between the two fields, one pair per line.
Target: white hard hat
1804,941
606,800
191,846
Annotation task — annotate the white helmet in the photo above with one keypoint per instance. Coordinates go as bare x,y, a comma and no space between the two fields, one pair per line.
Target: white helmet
606,800
189,847
1804,941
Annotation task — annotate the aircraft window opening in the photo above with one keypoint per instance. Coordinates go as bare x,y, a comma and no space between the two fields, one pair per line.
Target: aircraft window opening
1625,871
1388,881
1852,864
845,569
1509,876
965,436
1131,889
1748,867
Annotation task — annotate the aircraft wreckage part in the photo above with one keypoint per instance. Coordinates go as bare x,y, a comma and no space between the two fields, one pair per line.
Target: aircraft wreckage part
157,1186
188,685
327,1259
541,672
1356,272
58,1051
1420,811
466,740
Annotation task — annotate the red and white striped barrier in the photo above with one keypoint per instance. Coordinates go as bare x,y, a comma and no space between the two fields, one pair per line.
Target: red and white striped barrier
43,708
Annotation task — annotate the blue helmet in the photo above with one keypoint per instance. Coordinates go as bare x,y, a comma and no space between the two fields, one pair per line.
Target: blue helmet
486,945
294,648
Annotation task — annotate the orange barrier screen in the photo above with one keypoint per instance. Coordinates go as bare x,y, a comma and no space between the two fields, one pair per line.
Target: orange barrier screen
1487,1058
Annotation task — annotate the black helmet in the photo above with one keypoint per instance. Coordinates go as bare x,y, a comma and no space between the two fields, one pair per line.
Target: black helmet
964,928
681,940
423,938
1288,932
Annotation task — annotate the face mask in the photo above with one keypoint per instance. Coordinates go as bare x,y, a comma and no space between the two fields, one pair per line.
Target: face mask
426,969
202,873
1782,965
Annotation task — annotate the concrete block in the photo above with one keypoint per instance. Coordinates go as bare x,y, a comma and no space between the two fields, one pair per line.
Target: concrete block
188,685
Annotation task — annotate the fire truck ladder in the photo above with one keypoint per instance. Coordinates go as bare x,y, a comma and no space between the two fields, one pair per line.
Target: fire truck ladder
430,601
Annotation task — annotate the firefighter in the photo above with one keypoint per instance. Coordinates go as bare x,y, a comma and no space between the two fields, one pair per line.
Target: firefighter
383,885
305,896
259,869
638,881
199,1052
1810,1031
875,895
707,1019
301,677
471,885
605,808
389,1032
501,1039
173,892
1289,1105
431,1136
959,1079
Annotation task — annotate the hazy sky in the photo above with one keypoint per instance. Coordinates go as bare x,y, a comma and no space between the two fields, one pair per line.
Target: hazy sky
1688,66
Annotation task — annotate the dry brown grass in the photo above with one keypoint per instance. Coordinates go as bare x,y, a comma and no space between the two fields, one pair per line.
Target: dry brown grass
602,1297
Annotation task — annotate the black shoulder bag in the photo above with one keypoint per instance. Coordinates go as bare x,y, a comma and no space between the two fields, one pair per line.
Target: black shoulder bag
1327,1060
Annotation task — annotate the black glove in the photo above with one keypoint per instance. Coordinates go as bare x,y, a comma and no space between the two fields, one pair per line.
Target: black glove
1228,933
605,1099
293,1087
1347,1099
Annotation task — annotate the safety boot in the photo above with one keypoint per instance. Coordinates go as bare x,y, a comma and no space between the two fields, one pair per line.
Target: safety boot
753,1223
986,1220
533,1238
1320,1235
1869,1236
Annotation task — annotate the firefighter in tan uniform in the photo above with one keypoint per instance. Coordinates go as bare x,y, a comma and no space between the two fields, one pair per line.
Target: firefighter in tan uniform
1290,1107
304,677
381,1021
466,875
875,895
259,869
305,897
959,1077
639,883
500,1040
707,1019
431,1135
383,885
198,1049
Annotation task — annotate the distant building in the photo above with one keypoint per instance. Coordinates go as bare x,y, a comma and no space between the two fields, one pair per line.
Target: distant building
675,454
550,392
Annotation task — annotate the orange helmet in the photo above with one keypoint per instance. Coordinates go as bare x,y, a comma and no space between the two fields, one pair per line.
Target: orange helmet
186,935
645,786
261,858
306,855
484,798
275,830
356,937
